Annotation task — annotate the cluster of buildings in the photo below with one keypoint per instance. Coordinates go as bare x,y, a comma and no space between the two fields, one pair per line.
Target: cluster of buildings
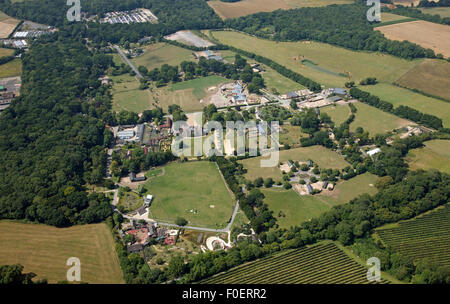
210,55
9,89
234,92
131,133
127,17
142,234
15,43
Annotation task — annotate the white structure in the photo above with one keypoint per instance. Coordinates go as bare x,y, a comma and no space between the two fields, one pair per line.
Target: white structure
373,151
148,199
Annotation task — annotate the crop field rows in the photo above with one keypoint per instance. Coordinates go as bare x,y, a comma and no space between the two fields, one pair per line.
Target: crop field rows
426,236
320,264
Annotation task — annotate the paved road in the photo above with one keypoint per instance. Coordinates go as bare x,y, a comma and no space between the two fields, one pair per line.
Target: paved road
226,229
128,62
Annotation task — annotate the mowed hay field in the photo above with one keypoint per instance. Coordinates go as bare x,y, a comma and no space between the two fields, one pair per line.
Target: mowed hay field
155,55
196,186
426,34
6,52
430,76
338,113
441,11
127,96
246,7
324,157
324,263
425,236
7,25
11,69
44,250
435,155
356,65
199,86
290,208
376,121
400,96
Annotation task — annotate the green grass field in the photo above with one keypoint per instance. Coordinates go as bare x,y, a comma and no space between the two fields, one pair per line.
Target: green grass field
399,96
199,86
389,17
376,121
190,186
435,155
345,191
291,135
441,11
431,76
6,52
323,263
425,236
11,69
338,113
294,208
274,80
357,65
155,55
127,96
44,250
324,157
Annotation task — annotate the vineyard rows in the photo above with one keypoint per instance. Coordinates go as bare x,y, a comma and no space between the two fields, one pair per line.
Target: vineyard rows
320,264
425,236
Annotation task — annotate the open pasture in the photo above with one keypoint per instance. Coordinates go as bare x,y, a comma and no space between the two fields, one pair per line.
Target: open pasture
127,96
11,69
426,34
227,10
195,191
356,65
324,263
290,208
376,121
324,157
434,155
44,250
400,96
441,11
155,55
431,76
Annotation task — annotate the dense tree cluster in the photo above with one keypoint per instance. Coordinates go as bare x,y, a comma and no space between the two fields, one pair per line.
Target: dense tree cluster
13,274
52,138
342,25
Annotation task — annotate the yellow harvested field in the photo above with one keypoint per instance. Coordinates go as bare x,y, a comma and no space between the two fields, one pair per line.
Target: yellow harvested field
246,7
44,250
426,34
7,25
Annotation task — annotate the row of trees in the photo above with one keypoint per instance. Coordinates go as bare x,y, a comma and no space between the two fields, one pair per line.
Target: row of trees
327,24
402,111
